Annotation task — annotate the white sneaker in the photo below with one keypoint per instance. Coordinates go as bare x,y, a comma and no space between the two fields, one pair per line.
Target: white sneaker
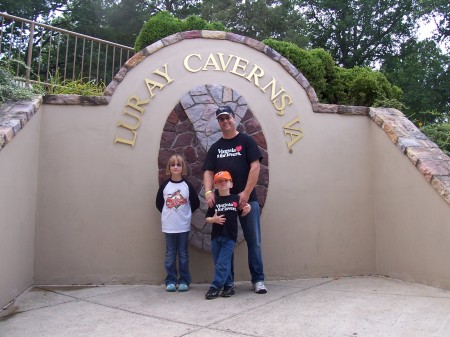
259,287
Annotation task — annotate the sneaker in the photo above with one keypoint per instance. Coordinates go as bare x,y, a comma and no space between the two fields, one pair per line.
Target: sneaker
171,287
212,293
183,287
227,291
259,287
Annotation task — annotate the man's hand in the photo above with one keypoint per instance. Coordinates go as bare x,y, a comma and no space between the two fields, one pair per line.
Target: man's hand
243,199
208,183
210,199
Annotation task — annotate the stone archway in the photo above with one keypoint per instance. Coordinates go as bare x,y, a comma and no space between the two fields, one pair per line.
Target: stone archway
191,128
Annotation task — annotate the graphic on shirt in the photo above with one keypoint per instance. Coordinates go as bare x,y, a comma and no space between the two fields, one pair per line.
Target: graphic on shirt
233,152
175,200
228,206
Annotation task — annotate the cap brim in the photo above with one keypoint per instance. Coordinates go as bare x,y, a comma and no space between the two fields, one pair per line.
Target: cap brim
223,113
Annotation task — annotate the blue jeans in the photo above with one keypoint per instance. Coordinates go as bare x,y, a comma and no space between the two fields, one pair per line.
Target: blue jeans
177,243
222,250
252,234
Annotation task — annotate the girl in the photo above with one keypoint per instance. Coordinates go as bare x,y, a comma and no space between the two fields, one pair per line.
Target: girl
176,200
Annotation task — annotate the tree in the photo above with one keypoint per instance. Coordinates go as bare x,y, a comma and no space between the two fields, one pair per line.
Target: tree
438,11
118,21
440,134
422,71
359,33
181,9
259,19
31,9
124,20
85,17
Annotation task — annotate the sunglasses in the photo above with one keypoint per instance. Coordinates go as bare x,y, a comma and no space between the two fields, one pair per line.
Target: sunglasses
223,118
175,165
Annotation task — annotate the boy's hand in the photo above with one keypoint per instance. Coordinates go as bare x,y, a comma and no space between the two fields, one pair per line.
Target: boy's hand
247,208
218,219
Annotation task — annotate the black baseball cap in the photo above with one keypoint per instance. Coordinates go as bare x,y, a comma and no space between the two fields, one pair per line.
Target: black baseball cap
224,110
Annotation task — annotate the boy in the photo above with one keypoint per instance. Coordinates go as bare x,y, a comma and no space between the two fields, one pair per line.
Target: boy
224,216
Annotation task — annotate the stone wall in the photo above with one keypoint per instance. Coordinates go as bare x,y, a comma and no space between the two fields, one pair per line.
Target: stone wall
14,116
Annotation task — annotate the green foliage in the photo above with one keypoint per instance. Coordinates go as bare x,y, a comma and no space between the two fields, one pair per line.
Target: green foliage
362,86
316,65
118,21
76,87
259,19
195,23
11,88
158,26
440,134
438,12
422,71
336,85
164,24
31,9
358,33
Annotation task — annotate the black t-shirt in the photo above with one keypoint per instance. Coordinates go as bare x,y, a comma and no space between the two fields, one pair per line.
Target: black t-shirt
228,206
235,156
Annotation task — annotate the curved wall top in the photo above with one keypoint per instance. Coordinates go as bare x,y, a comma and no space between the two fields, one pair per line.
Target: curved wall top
249,74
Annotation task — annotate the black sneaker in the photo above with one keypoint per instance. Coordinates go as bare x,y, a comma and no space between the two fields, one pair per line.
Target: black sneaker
227,291
212,293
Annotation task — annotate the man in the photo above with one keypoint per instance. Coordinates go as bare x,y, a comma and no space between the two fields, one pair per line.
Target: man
238,154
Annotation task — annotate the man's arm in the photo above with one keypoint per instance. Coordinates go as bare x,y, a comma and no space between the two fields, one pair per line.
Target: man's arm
251,183
208,178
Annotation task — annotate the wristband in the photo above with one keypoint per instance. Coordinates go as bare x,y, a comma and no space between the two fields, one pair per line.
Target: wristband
208,192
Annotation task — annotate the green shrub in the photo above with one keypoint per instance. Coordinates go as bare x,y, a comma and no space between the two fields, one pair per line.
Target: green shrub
362,86
336,85
316,65
164,24
11,88
75,87
440,134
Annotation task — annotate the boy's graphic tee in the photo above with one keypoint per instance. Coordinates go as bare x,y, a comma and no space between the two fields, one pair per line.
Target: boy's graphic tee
228,206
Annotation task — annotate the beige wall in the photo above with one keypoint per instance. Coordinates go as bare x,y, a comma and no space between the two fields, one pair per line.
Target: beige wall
18,181
346,201
412,221
97,221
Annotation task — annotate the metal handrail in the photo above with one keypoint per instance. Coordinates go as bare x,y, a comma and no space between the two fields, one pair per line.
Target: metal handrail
59,54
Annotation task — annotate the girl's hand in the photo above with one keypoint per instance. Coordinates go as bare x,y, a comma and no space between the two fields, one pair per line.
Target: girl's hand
247,208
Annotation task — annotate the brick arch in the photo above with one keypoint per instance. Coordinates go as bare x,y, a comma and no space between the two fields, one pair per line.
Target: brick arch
190,129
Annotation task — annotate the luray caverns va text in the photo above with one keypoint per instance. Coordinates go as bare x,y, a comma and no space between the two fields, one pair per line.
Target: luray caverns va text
214,62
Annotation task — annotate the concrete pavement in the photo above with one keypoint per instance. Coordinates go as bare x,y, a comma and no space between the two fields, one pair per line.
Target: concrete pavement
345,307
